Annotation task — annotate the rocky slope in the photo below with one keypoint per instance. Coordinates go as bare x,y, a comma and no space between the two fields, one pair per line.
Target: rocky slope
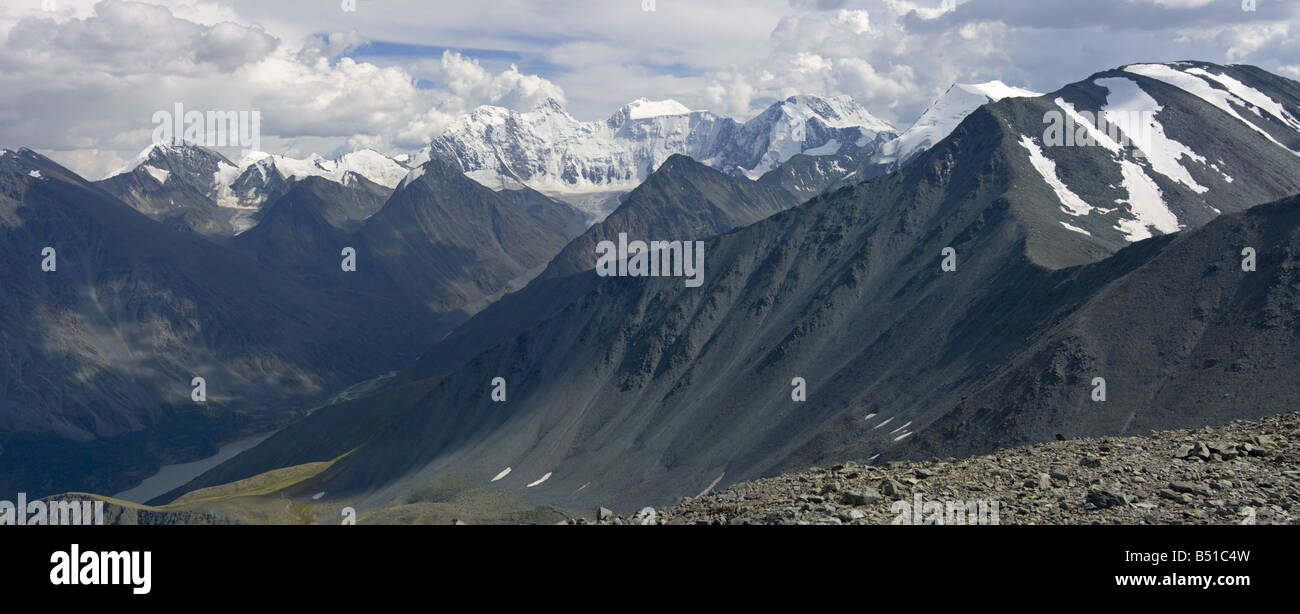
450,244
180,187
683,200
1245,472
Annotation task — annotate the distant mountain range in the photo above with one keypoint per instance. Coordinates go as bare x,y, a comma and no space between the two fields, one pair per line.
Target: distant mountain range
549,150
589,165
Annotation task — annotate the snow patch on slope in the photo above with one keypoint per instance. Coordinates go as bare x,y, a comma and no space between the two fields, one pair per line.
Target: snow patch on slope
412,176
158,174
1251,95
1145,203
137,161
1076,229
1127,101
1070,202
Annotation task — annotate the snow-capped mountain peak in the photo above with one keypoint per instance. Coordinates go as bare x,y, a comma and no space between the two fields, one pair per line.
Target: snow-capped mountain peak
996,90
550,105
167,158
942,117
644,108
835,112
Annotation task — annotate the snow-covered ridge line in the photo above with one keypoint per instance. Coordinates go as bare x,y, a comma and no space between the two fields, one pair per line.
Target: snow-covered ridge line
943,116
1167,181
247,183
1196,81
367,163
372,165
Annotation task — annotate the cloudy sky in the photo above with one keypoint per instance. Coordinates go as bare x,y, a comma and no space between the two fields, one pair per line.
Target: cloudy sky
80,80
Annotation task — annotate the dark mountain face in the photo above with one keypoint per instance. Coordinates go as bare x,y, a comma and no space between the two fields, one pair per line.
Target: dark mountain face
682,201
343,205
445,242
305,231
554,215
178,186
640,390
808,176
408,248
100,352
1178,331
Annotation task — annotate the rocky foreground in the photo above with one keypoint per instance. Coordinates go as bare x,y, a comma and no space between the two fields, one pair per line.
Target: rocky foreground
1245,472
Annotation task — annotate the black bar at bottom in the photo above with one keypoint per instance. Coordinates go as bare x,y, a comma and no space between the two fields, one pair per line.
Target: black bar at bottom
571,564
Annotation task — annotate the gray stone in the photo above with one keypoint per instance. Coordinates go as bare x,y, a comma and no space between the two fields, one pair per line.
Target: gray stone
1173,496
1191,488
864,496
1102,499
893,489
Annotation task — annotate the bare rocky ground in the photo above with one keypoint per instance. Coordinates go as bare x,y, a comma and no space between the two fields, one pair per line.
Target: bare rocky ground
1240,473
1246,472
